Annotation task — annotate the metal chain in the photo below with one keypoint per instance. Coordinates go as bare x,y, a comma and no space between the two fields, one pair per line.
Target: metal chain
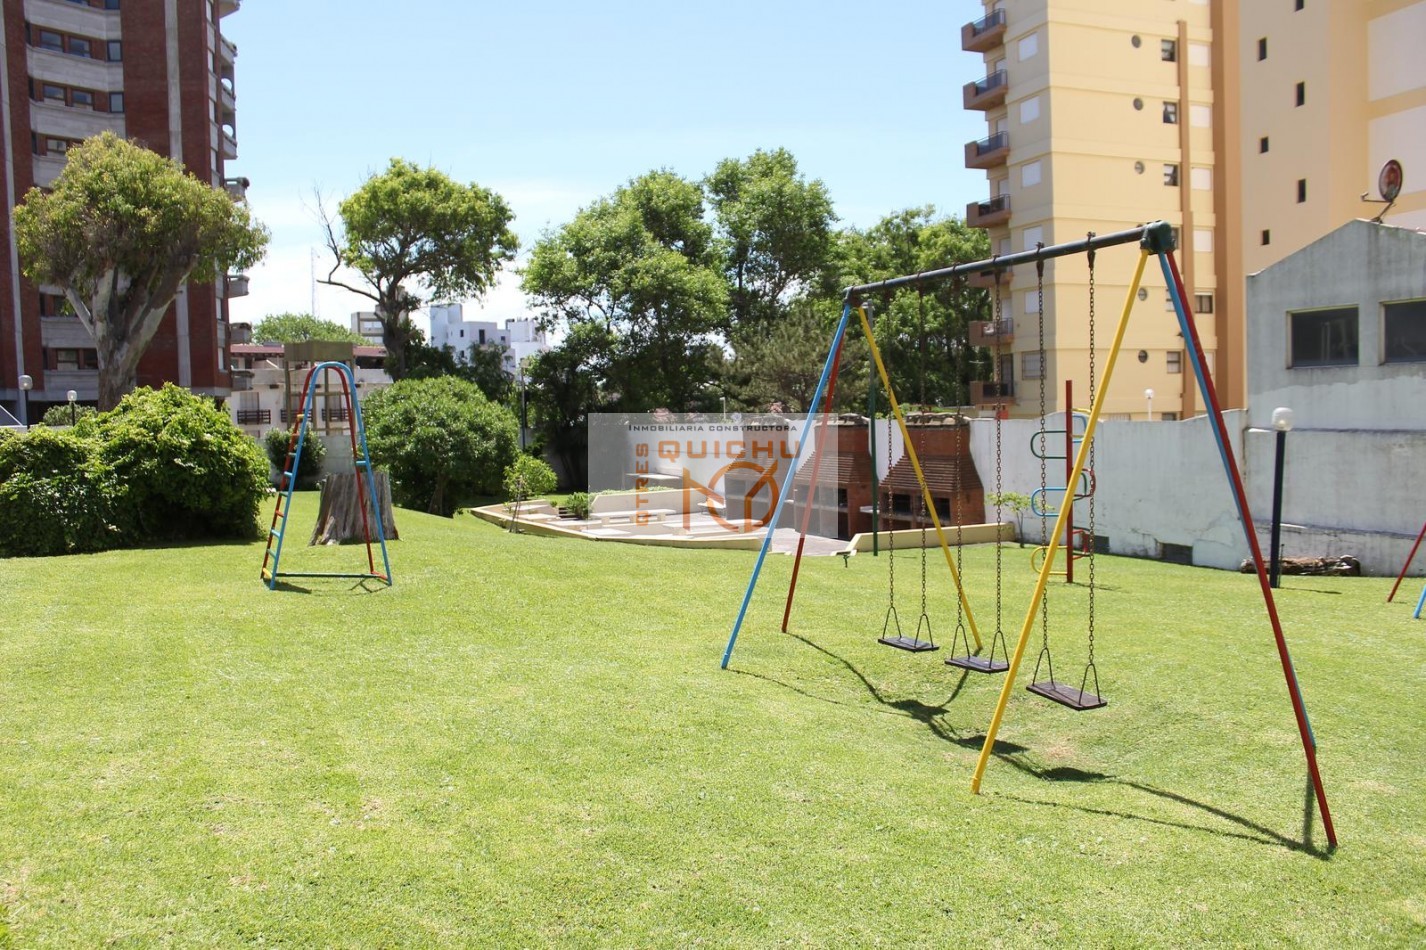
1044,520
1092,487
890,509
999,481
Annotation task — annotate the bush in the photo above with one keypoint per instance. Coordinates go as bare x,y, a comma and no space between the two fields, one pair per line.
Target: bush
440,439
579,504
57,496
189,472
314,452
528,477
60,415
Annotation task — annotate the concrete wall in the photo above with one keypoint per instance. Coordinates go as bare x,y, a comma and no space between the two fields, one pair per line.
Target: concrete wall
1345,492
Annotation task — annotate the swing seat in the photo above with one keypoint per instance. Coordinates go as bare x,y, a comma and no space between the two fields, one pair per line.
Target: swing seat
910,644
979,664
1066,695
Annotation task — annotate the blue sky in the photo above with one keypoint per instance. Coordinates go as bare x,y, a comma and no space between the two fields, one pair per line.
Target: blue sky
556,104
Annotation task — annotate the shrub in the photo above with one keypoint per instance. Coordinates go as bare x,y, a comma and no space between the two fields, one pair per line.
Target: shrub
440,439
528,477
314,452
57,496
60,415
579,504
189,472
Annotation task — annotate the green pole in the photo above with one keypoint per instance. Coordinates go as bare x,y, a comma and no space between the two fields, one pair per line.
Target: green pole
871,448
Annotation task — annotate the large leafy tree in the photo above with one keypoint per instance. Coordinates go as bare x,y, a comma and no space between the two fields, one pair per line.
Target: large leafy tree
119,233
642,265
564,387
923,335
301,327
413,234
774,230
784,364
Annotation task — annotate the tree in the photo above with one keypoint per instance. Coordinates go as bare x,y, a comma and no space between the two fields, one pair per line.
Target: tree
775,235
301,327
641,265
923,336
563,389
784,364
120,232
413,234
441,440
483,365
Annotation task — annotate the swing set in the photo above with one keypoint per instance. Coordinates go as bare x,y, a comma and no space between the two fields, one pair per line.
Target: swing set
1154,239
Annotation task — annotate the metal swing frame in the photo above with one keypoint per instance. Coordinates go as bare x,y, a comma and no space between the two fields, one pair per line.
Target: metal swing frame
1153,239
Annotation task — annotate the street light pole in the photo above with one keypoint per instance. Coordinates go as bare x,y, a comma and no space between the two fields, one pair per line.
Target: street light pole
71,396
1282,422
26,384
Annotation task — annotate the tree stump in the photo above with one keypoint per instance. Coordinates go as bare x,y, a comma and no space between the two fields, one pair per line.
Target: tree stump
339,519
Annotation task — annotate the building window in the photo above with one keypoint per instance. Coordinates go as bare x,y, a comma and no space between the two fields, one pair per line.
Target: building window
1262,48
1030,365
51,40
1267,237
1029,174
66,359
1170,113
116,51
56,146
78,47
1203,303
1263,145
53,305
1174,361
81,98
111,4
116,102
1324,337
1302,93
1029,110
1168,51
1171,176
1297,4
1029,46
1405,331
51,93
1201,178
1169,417
1301,190
1168,300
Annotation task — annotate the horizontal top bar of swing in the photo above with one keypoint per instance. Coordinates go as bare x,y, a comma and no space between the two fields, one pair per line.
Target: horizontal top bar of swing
1008,260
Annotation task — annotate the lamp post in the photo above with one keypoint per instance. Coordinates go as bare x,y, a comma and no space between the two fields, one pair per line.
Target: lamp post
1149,399
26,384
1282,422
71,396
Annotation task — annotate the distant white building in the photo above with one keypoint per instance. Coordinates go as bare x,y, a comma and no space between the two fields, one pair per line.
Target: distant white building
367,323
517,338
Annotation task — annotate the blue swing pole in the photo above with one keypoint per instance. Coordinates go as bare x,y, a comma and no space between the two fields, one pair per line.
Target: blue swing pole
787,480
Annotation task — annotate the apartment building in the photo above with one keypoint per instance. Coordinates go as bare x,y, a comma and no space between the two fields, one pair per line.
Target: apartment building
1252,128
158,72
518,338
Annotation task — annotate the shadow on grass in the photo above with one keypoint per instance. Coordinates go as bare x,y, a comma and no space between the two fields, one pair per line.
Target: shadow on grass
364,585
1013,754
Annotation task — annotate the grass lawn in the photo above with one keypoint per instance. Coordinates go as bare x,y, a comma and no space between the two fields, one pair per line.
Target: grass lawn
528,741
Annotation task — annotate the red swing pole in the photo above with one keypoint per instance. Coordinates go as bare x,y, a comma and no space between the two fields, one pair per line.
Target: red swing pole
812,484
1407,566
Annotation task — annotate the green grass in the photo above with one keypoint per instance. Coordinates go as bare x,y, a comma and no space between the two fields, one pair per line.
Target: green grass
528,741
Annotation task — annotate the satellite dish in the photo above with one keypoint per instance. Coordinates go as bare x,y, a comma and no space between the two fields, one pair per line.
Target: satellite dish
1388,182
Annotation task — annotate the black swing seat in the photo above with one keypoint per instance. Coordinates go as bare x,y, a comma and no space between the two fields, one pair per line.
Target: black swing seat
1066,695
979,664
911,644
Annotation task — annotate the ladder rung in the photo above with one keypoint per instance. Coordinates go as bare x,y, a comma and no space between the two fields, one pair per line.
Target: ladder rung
274,533
279,514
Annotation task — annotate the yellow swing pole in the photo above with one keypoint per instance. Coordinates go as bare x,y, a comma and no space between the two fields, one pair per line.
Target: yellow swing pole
920,476
1080,459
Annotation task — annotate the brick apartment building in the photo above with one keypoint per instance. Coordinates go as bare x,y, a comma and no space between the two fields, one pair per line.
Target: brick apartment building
157,72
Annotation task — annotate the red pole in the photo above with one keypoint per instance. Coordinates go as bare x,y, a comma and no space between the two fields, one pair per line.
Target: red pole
812,483
1407,566
1215,413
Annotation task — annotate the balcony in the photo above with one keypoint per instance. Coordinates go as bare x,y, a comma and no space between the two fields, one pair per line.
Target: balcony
992,333
987,279
988,152
987,214
237,189
229,142
985,394
984,34
986,93
228,6
237,285
254,417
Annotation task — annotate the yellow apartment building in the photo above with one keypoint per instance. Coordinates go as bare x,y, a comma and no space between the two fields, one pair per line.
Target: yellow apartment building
1253,128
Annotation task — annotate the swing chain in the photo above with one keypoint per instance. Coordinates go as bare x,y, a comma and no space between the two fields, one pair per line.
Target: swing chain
1092,394
1044,518
999,482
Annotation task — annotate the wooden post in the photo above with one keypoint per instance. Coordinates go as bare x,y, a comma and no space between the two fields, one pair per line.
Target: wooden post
339,519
